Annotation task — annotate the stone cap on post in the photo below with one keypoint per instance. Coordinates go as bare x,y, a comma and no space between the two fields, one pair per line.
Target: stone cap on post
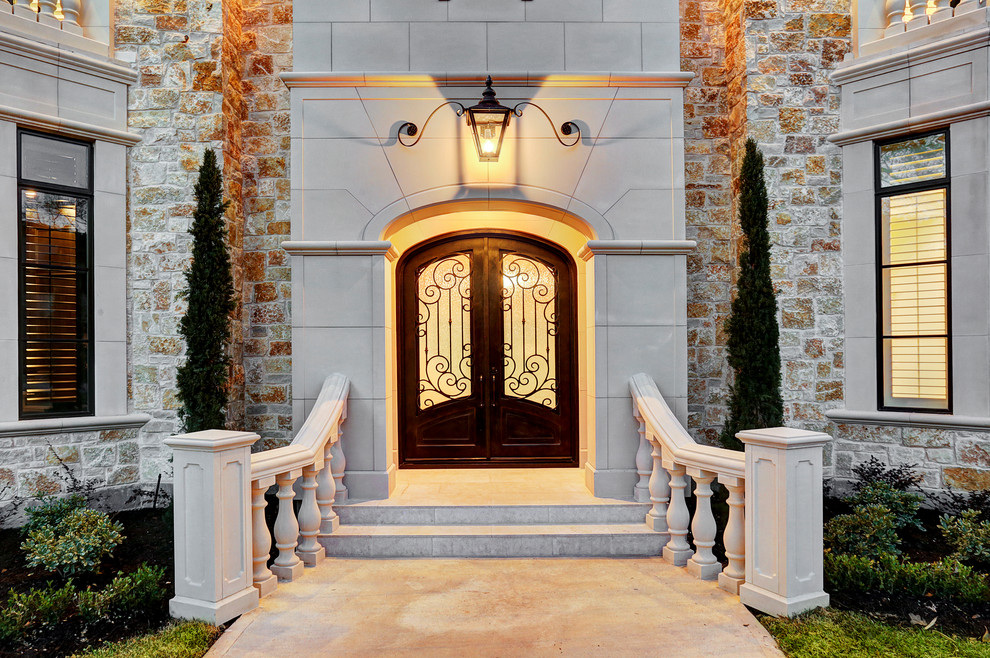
212,440
785,438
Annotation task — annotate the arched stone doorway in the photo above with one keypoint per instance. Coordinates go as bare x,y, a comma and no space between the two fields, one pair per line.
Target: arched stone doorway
487,361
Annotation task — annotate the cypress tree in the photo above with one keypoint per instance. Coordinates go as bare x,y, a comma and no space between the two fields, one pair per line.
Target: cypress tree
202,379
753,349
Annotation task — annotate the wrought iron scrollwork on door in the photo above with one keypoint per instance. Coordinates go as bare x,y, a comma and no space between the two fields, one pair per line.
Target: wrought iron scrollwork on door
529,319
443,327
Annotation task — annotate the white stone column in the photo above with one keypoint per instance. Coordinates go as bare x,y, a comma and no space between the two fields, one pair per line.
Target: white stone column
783,521
213,540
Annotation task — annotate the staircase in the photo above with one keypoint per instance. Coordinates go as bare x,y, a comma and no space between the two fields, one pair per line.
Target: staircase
492,513
493,531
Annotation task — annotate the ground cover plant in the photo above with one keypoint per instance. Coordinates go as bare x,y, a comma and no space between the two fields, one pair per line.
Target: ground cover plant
73,576
898,558
830,632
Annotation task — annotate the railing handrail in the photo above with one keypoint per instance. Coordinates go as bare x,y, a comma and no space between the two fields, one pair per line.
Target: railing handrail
308,445
661,422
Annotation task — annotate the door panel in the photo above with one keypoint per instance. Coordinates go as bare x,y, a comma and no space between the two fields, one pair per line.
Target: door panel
487,366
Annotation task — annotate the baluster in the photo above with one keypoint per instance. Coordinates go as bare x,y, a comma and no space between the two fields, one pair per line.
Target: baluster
677,551
46,12
26,10
641,492
966,6
264,579
337,464
703,564
656,518
326,492
310,550
734,536
918,16
70,16
895,17
287,565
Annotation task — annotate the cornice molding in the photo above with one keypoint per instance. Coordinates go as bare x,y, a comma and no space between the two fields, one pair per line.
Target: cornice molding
505,79
67,126
918,123
342,248
67,59
636,248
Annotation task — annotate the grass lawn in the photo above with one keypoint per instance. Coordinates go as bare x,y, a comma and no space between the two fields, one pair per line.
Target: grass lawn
827,633
189,639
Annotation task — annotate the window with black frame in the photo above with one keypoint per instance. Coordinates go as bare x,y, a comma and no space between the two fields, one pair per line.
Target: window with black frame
55,201
914,347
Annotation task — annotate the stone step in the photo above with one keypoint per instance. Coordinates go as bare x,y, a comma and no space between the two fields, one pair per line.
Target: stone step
544,540
491,514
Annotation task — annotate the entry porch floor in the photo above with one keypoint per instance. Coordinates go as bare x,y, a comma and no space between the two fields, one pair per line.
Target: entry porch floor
490,486
497,607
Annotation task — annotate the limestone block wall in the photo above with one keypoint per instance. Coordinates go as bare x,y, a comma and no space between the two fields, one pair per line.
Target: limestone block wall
187,99
763,69
266,52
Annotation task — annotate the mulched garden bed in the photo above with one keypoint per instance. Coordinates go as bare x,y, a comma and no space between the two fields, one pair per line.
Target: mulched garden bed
951,617
147,540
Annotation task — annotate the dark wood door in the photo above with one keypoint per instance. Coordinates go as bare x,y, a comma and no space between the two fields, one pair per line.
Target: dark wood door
487,365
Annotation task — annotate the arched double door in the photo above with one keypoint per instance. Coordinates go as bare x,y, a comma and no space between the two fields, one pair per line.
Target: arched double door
487,358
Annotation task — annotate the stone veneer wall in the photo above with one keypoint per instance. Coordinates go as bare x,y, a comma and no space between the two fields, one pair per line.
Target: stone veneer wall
187,100
267,348
763,69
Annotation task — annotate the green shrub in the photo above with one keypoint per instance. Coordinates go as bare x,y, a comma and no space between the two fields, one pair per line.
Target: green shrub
901,477
946,579
132,595
968,535
902,504
76,544
51,512
30,613
870,532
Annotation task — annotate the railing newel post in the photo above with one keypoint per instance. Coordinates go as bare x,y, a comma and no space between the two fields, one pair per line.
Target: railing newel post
783,521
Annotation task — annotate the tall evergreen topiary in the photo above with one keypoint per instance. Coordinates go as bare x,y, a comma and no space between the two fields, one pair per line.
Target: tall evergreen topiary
753,349
202,379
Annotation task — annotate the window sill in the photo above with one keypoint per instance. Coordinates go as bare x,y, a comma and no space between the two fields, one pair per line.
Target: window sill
76,424
910,419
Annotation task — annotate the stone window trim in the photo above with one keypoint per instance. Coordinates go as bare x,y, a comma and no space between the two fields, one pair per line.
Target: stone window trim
72,424
885,398
908,419
110,391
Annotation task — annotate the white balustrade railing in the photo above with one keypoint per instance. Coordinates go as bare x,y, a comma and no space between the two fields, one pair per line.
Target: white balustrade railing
773,535
63,14
222,542
905,15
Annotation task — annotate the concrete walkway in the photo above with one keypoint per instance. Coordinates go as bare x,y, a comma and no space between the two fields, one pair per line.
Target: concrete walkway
497,607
